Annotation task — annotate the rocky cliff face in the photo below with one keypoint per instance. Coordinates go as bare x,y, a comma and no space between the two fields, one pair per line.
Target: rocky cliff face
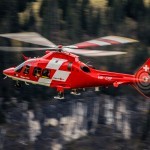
55,124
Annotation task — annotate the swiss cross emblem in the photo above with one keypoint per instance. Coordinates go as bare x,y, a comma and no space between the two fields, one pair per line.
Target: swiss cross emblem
146,68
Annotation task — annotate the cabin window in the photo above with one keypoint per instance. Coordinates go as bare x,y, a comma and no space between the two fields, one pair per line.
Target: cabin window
45,73
26,70
85,69
19,68
69,67
37,71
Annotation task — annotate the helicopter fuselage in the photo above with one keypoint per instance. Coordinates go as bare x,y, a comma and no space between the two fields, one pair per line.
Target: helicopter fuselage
64,71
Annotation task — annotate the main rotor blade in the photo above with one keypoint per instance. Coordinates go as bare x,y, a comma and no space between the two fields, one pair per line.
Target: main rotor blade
103,41
29,37
93,53
22,49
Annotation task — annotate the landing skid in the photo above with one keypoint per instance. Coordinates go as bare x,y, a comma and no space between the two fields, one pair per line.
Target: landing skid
60,96
75,92
26,83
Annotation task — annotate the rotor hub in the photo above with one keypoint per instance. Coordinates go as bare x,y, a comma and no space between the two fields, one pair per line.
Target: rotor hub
60,48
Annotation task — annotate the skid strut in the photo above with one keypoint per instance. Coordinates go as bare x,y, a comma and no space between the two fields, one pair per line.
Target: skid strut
60,91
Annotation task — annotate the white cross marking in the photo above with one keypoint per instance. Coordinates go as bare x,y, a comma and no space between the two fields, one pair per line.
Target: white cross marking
45,81
146,68
55,63
59,75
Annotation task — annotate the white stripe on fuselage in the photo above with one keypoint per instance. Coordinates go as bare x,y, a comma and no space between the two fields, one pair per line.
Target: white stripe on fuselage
44,81
61,75
55,63
29,81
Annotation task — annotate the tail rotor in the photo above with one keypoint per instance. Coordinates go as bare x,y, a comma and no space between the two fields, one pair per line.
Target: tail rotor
142,79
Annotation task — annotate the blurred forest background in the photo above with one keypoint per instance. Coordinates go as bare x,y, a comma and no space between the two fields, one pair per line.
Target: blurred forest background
67,22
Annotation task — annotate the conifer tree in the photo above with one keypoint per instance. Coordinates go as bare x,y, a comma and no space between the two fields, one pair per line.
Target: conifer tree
83,13
135,9
96,23
73,25
49,12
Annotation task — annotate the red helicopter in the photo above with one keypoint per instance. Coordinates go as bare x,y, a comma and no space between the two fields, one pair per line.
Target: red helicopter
61,69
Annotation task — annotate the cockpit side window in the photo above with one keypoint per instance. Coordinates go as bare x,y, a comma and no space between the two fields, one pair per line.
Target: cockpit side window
46,73
37,71
27,69
85,69
19,68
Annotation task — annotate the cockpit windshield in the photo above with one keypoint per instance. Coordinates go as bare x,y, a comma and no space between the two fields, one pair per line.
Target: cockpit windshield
19,68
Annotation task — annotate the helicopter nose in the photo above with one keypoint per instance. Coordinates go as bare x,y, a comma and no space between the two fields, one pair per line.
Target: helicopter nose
9,72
